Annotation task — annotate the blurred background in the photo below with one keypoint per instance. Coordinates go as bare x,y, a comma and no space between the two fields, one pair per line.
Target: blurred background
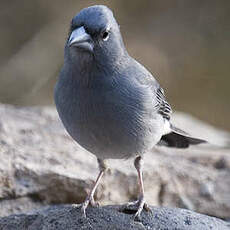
185,44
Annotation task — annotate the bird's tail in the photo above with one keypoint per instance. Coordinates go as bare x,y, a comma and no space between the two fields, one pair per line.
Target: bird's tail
177,138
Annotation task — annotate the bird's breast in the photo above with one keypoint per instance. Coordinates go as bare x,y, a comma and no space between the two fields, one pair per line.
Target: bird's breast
109,124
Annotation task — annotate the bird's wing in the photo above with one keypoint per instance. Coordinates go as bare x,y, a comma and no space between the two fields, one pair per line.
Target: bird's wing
162,105
145,78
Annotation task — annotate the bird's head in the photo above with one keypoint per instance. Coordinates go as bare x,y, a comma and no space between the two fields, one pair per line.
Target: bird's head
95,33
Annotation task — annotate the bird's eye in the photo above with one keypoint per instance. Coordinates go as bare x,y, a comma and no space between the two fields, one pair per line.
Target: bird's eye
105,35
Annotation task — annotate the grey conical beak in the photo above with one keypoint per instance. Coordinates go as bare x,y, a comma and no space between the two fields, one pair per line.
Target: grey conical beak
81,39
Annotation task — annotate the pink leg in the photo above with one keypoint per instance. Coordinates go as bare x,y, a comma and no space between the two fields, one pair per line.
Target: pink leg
141,201
89,199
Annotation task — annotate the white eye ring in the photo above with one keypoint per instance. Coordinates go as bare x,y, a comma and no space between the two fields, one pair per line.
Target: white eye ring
105,35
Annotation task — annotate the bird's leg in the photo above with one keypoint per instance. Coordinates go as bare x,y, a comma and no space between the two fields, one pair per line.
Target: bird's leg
140,203
89,199
138,163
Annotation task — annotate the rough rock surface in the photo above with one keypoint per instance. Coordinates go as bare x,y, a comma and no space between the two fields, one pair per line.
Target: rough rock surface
111,218
40,165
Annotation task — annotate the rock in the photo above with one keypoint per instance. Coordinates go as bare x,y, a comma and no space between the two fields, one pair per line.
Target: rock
41,165
111,217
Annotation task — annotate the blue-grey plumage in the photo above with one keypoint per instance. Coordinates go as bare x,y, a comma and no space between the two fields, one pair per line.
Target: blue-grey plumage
112,118
108,102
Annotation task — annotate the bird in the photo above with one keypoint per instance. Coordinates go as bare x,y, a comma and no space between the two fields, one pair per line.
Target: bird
109,103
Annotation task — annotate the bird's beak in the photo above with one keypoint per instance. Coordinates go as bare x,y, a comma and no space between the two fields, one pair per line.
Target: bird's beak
81,39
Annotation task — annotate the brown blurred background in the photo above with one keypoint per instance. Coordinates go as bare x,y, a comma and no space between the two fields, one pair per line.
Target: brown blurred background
185,44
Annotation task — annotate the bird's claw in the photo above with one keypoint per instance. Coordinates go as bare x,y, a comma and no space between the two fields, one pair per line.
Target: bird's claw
88,201
147,208
140,204
130,204
93,203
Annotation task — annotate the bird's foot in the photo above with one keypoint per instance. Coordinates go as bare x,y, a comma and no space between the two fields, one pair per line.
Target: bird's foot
89,201
139,204
93,203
